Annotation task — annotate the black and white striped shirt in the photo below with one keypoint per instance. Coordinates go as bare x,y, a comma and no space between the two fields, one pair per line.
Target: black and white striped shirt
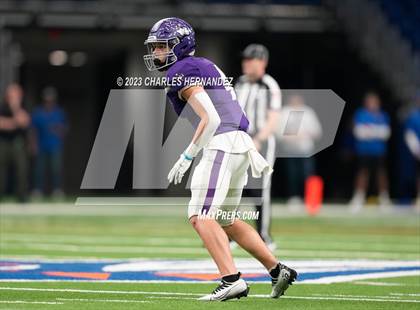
257,98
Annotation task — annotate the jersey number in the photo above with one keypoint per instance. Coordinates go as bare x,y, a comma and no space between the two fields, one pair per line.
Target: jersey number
228,88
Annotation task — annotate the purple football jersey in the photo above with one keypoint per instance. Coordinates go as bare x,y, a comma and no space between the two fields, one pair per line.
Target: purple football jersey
201,71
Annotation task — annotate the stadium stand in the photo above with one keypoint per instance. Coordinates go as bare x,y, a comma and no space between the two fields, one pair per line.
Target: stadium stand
406,16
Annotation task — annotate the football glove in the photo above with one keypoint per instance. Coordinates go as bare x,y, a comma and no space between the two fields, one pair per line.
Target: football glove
178,170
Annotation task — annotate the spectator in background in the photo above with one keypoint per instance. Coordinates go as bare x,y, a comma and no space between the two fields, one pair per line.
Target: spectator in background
372,131
412,139
299,145
49,127
14,121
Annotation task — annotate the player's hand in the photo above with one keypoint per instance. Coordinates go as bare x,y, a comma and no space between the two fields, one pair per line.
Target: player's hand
257,144
178,170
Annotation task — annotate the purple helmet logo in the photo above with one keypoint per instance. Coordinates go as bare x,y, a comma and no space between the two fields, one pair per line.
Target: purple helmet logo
169,40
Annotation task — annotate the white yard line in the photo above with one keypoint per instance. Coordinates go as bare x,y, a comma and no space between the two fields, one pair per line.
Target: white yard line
104,300
353,299
371,298
352,277
30,302
331,297
172,297
93,291
64,258
355,296
165,294
125,281
405,294
374,283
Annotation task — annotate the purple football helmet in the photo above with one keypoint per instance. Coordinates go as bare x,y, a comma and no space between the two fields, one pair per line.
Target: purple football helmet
173,33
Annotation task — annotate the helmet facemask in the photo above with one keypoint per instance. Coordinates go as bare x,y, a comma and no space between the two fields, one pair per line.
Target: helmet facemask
152,59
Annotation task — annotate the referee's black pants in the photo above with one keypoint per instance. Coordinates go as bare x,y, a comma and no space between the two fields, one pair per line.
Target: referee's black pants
260,189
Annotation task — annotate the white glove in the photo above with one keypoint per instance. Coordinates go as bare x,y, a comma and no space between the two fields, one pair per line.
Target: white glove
178,170
183,164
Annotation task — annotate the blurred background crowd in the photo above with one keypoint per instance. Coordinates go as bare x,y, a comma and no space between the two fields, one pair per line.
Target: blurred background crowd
60,59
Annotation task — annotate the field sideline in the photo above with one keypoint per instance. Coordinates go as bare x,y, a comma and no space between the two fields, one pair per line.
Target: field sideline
120,240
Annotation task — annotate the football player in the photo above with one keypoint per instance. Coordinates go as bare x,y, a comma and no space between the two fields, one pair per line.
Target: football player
221,132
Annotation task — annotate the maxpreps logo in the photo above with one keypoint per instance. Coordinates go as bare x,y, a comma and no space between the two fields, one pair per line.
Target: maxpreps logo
140,113
224,215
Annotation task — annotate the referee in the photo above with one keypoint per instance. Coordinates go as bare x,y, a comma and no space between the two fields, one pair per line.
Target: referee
260,97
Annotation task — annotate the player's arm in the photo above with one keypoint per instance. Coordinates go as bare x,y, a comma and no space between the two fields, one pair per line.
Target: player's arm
273,113
364,131
361,130
22,118
7,123
270,125
19,119
202,105
238,89
412,142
